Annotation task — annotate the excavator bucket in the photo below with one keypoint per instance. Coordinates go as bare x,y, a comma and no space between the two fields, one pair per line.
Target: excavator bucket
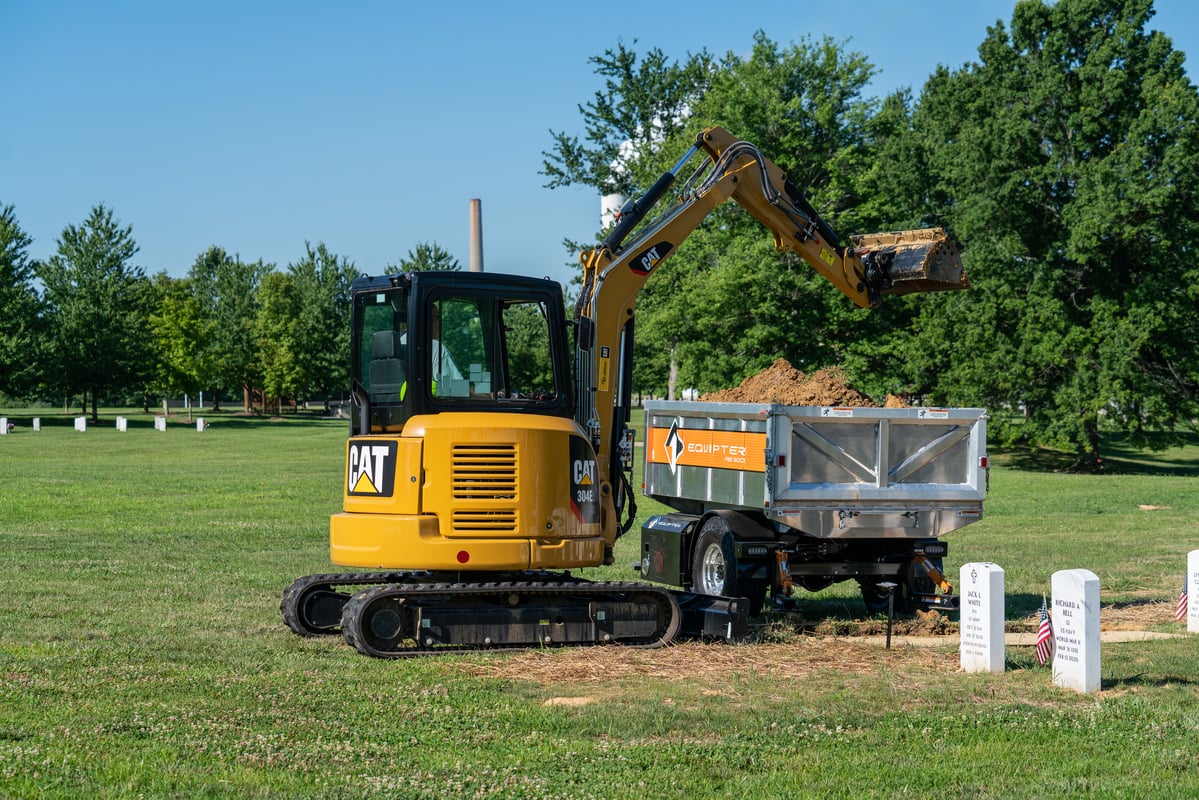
924,260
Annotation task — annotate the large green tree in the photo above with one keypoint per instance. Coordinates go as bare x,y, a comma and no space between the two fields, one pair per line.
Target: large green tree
725,304
1067,159
428,257
19,306
96,302
277,335
227,290
322,285
180,330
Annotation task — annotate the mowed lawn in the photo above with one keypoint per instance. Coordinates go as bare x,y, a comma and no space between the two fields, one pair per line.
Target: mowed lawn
142,653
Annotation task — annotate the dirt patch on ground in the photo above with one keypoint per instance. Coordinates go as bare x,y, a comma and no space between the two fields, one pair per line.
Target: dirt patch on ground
787,647
783,383
698,661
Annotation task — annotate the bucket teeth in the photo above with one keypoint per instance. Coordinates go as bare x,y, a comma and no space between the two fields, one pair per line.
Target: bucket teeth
924,260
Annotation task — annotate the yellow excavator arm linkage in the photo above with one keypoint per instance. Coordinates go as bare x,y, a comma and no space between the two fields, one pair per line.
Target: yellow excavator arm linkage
614,273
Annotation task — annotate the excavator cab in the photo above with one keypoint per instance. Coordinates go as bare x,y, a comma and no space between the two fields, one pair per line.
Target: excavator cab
432,343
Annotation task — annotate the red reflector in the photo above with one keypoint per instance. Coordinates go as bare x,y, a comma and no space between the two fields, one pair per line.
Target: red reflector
782,461
982,462
463,556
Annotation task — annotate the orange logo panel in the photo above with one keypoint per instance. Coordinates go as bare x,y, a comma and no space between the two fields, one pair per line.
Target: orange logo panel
705,448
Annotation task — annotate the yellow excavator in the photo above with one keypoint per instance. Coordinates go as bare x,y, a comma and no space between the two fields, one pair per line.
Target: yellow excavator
485,463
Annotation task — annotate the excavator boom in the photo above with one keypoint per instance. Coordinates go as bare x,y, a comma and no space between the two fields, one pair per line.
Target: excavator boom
864,269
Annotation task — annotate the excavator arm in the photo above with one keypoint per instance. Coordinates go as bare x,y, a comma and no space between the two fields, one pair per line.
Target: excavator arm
864,269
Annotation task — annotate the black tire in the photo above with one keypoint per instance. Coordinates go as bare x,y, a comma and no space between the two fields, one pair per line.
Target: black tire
714,567
875,602
912,581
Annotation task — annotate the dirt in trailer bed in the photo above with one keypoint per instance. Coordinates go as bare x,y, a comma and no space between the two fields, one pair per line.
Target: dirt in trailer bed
784,384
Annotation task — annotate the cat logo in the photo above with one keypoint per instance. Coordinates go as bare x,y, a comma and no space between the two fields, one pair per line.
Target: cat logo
584,494
371,468
644,262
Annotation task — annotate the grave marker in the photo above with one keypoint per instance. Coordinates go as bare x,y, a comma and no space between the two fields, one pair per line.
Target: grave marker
81,423
982,612
1076,630
37,423
160,423
1192,585
122,424
3,425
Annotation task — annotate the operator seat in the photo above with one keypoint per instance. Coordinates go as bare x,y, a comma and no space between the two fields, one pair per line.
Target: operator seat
386,373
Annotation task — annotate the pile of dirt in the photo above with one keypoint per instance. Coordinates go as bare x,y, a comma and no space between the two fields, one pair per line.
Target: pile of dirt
783,383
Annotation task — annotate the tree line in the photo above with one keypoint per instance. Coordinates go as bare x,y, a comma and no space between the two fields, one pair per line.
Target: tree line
100,329
1065,161
87,323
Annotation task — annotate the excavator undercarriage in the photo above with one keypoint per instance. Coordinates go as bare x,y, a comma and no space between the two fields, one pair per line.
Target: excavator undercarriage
400,614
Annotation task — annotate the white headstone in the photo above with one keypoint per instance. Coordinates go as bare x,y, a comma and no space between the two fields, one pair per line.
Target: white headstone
1192,587
200,426
160,423
122,424
81,423
3,425
982,611
37,423
1075,618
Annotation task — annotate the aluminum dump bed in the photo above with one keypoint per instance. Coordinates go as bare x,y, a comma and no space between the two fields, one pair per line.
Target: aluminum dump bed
828,472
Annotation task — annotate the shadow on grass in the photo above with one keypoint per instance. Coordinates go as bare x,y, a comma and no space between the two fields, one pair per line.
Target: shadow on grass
1165,456
1146,680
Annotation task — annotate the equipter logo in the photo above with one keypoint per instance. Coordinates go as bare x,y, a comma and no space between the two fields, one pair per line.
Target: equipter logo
371,468
674,446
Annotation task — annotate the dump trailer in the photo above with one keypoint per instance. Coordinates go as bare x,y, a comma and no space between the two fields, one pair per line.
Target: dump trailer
769,497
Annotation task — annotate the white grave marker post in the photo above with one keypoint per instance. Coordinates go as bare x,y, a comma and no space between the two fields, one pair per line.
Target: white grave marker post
200,426
982,612
1076,630
37,423
81,423
122,424
1192,587
3,425
160,423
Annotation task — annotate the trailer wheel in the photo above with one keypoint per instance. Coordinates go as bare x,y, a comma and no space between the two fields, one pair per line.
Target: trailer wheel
714,567
912,582
875,602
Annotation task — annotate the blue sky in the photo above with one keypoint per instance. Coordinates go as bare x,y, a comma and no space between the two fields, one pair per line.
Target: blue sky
370,126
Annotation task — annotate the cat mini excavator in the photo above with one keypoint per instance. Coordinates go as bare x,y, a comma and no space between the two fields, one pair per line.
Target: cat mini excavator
482,466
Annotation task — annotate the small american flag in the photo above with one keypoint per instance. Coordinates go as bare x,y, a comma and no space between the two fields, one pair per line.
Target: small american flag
1180,613
1044,636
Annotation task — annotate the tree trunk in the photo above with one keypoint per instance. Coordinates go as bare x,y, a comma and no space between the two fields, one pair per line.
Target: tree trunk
83,402
245,398
1088,459
95,413
672,380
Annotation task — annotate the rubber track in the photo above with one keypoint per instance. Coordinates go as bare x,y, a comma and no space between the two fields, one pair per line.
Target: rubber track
352,613
294,594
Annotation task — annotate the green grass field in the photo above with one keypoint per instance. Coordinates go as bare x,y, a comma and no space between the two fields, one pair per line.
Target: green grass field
142,653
